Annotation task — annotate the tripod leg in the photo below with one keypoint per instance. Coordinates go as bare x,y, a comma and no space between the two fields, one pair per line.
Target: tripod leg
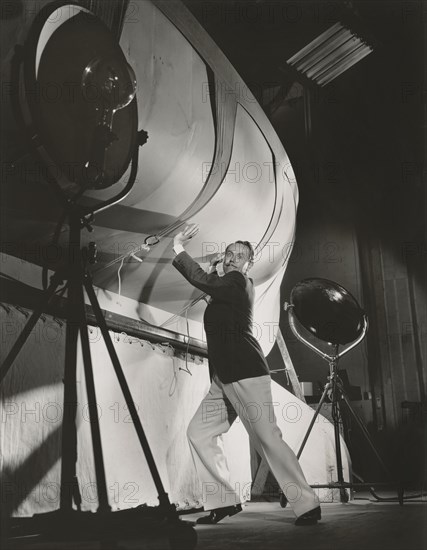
163,497
366,434
77,497
69,482
337,435
313,420
101,483
69,434
22,338
69,430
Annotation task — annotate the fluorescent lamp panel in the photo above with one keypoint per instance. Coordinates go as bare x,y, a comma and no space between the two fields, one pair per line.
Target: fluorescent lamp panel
355,58
334,42
335,57
314,44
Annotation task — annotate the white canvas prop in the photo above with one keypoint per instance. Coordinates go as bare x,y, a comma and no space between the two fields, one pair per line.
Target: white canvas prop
166,390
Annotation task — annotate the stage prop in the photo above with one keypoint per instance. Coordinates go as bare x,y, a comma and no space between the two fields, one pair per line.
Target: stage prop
211,158
166,388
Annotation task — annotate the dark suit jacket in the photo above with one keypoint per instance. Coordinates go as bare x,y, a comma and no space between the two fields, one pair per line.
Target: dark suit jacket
234,353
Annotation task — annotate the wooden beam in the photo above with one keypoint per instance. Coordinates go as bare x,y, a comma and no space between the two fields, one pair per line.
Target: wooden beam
17,293
290,369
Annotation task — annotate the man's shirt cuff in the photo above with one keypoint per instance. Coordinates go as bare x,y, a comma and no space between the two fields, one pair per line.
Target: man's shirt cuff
178,248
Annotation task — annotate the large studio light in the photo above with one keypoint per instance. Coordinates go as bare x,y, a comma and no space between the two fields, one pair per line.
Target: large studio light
79,99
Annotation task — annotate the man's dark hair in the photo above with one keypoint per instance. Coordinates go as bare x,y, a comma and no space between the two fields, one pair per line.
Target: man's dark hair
250,248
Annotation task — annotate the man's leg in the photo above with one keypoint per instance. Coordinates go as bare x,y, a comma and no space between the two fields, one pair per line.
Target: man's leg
253,401
213,418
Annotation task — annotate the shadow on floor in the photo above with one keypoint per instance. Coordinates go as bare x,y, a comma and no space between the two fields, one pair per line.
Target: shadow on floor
358,525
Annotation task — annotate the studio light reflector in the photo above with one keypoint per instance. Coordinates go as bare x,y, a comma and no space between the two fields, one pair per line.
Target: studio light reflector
330,54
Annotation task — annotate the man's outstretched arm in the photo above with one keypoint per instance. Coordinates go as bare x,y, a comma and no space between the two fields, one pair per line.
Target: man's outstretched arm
210,283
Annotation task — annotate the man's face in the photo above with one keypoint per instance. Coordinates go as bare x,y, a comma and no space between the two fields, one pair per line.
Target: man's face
236,258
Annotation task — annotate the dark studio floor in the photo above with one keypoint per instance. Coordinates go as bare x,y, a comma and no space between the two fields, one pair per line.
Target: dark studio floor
363,524
357,525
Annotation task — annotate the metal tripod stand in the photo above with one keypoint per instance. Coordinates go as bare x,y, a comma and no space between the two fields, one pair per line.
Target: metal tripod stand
334,390
335,326
79,279
97,63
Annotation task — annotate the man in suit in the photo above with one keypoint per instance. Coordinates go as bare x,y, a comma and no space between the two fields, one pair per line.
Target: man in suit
241,386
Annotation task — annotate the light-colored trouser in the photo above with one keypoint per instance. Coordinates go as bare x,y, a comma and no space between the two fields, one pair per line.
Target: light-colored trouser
251,400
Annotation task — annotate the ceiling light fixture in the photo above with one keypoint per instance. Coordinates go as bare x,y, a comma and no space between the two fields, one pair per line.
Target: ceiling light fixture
330,54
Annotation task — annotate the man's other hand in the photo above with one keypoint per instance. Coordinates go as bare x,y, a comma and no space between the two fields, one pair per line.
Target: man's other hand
216,259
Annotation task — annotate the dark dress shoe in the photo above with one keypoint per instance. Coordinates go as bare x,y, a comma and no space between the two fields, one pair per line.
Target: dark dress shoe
218,514
309,518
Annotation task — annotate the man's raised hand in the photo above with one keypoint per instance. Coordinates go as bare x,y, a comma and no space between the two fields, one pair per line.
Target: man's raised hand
184,236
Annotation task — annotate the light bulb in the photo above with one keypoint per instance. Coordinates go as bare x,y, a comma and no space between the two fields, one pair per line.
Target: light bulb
109,84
